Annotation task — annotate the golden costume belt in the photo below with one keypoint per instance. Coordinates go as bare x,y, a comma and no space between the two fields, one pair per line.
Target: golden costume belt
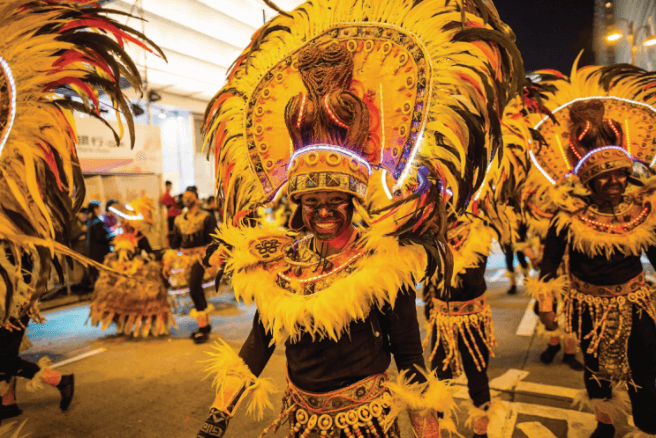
456,308
357,410
617,290
611,311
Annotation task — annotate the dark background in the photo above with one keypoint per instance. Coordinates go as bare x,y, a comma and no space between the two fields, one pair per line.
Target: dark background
550,33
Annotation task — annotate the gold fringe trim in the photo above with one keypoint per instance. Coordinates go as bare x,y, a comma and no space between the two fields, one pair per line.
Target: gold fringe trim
35,382
494,409
329,312
546,291
225,362
618,405
425,398
452,327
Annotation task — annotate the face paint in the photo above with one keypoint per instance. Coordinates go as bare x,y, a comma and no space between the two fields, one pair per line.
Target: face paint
327,214
610,186
189,199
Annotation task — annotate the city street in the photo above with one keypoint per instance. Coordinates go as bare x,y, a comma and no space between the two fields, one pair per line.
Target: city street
154,388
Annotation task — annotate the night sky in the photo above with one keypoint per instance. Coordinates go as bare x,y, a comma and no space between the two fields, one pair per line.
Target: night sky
550,33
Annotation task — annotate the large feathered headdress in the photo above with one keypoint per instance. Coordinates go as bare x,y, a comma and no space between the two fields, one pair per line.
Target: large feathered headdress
353,94
47,47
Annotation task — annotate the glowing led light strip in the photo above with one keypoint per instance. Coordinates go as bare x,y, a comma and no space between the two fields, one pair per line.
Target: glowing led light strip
332,115
126,216
12,104
585,131
562,151
542,171
628,136
300,113
383,179
594,151
614,128
614,227
571,146
323,147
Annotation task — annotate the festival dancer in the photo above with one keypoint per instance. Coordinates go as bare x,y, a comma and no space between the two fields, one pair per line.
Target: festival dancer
183,264
605,219
137,302
47,45
354,81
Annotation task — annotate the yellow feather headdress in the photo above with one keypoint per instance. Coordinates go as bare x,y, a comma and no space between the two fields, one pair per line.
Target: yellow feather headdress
49,49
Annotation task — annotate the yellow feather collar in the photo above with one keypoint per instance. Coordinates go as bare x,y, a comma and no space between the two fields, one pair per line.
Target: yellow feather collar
375,280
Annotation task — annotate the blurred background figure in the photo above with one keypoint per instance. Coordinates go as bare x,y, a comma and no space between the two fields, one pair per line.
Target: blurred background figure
98,237
172,209
211,207
108,217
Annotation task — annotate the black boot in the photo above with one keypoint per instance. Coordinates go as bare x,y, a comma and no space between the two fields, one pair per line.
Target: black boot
570,359
10,411
548,355
512,290
65,387
603,430
480,436
202,334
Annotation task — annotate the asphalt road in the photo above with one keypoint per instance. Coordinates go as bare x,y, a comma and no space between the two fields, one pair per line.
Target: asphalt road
129,388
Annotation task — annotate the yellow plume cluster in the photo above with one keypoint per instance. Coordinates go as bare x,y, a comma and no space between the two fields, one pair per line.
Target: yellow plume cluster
47,49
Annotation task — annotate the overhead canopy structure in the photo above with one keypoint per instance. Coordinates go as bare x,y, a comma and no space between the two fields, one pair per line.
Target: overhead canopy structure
201,39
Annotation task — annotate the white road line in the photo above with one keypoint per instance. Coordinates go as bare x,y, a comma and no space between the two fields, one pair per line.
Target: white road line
79,357
508,380
579,424
547,390
497,275
503,427
529,321
534,429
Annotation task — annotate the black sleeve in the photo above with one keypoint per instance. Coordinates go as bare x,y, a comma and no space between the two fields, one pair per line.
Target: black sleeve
404,336
100,233
176,238
555,245
209,228
257,350
651,255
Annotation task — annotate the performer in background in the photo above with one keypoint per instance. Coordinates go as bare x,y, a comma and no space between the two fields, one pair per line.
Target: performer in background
192,233
605,220
171,209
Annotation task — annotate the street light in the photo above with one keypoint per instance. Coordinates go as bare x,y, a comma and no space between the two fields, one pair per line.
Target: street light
615,34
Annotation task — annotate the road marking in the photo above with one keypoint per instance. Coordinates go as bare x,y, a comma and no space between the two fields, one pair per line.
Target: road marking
650,277
531,388
79,357
505,426
508,380
497,275
534,429
579,424
529,321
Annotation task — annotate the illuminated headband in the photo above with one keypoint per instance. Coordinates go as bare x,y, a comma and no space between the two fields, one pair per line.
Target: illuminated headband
600,160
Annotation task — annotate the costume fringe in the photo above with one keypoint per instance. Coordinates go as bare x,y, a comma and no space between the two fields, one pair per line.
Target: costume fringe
195,313
328,313
634,432
545,291
425,398
618,405
225,362
494,409
35,382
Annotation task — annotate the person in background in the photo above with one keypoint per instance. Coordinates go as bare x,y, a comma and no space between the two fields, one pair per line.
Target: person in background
509,252
98,238
211,207
171,208
79,231
191,235
108,218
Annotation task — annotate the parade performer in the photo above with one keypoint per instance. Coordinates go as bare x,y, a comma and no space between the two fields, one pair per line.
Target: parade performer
322,97
600,131
136,306
47,47
183,266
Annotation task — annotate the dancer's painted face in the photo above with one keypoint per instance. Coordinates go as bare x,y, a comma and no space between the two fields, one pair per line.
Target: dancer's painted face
610,186
327,214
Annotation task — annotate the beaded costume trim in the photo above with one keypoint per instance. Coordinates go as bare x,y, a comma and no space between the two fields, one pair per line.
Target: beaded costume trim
456,319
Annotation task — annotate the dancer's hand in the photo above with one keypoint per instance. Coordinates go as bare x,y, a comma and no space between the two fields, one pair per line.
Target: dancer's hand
215,426
549,320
